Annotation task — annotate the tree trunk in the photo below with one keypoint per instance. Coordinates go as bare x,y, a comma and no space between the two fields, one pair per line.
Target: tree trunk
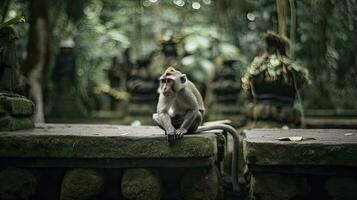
217,14
281,8
157,23
38,54
356,65
292,28
4,7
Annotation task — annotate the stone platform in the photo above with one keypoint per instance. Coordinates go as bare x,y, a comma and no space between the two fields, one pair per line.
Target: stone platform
50,145
67,161
321,166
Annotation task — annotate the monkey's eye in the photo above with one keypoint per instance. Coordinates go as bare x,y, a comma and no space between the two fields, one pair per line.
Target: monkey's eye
163,80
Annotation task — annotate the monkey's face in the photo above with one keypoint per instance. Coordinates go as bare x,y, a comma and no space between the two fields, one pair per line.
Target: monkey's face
171,82
167,86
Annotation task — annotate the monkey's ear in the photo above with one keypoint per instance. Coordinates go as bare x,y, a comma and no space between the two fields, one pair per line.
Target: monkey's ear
183,78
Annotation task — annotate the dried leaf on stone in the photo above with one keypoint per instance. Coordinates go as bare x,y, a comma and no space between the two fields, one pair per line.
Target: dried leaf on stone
349,134
293,139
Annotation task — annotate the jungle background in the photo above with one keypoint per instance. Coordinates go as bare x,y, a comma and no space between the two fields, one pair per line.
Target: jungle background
131,34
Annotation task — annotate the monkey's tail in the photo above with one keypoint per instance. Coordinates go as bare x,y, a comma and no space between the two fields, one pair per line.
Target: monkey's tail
235,153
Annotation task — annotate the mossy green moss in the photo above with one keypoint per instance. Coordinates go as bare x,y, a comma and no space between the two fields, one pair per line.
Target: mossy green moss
8,123
15,112
141,184
19,106
277,187
81,184
17,184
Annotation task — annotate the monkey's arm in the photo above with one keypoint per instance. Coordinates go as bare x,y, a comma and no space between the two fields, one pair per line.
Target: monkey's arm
162,117
235,152
164,121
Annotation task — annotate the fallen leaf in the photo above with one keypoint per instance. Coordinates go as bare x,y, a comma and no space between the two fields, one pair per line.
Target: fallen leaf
310,138
293,139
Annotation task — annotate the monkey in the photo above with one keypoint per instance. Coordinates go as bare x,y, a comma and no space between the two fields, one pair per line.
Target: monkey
180,111
180,106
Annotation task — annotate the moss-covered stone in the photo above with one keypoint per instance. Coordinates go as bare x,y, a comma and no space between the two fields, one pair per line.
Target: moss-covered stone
10,79
141,184
17,184
103,141
200,184
18,106
81,184
15,112
319,147
8,123
342,188
3,110
277,187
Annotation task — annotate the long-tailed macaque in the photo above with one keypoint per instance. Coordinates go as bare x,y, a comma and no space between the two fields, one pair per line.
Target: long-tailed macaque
180,111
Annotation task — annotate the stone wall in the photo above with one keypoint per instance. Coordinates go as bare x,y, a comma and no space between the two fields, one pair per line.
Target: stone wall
85,162
322,165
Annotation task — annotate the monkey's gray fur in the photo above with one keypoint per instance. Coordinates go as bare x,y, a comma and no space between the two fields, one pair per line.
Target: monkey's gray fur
180,111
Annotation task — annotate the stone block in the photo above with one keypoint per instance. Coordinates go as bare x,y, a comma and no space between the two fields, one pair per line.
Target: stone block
321,147
9,123
81,184
342,188
141,184
268,186
17,184
18,106
201,184
103,141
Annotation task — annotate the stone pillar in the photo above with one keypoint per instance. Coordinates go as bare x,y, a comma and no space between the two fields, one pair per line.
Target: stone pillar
141,184
16,111
226,91
81,184
66,102
142,87
17,184
200,184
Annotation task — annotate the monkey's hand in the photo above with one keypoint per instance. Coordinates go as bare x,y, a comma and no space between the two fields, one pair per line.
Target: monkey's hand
180,132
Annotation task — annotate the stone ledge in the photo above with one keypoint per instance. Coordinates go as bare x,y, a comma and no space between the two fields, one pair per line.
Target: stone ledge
331,147
102,142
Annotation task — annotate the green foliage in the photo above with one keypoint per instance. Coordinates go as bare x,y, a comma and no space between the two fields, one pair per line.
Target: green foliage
272,68
15,20
203,45
103,29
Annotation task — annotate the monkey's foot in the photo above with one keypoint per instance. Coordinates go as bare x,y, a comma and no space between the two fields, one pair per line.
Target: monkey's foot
180,132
